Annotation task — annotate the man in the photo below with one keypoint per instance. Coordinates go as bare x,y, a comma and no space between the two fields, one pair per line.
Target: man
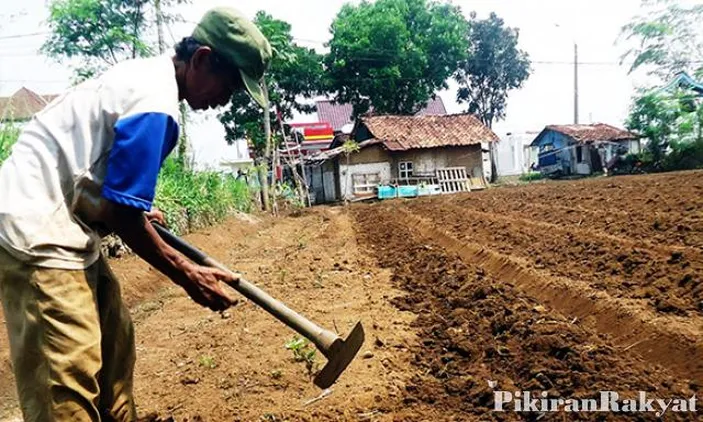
88,164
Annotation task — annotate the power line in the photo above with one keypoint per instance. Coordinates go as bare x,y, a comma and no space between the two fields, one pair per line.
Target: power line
15,36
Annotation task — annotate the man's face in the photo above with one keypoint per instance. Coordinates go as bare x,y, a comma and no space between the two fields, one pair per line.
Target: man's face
208,87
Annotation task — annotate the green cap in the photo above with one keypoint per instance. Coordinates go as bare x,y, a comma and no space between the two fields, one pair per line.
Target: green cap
240,42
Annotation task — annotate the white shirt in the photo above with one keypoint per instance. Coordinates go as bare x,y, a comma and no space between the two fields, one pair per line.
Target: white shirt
100,143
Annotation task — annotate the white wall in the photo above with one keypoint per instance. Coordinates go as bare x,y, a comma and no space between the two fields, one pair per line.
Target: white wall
513,153
346,175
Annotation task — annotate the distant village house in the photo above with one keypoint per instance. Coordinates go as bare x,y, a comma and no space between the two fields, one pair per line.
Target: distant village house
403,150
22,105
582,149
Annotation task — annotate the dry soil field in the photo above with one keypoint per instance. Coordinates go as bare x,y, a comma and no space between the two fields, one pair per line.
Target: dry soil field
569,287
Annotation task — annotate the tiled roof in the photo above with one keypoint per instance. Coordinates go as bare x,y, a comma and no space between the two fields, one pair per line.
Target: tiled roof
400,133
23,104
339,115
598,132
49,98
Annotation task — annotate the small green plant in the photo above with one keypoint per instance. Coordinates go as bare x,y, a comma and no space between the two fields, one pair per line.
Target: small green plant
303,352
276,374
269,417
531,177
207,362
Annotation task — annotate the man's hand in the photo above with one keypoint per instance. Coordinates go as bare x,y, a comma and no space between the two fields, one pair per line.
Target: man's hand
156,215
203,285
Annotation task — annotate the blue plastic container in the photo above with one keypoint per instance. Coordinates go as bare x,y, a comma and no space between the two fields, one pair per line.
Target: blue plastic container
387,192
407,191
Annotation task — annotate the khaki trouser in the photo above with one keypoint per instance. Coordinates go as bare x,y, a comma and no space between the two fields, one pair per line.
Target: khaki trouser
71,342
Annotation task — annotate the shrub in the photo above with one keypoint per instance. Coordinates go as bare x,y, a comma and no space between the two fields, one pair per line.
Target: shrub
191,199
9,132
531,177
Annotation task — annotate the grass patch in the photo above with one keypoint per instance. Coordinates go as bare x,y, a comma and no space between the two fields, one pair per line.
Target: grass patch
9,132
192,200
531,177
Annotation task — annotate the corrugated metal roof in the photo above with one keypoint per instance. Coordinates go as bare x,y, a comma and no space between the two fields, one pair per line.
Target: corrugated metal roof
339,115
435,107
401,133
598,132
331,153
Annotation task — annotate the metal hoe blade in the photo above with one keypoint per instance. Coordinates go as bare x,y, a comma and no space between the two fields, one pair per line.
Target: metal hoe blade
340,356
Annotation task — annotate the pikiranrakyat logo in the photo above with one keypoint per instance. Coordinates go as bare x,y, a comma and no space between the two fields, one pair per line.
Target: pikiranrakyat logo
606,401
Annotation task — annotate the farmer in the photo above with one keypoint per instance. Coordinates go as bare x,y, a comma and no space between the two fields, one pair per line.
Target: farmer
85,166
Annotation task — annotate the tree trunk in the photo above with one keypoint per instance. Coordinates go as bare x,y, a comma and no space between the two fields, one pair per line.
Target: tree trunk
492,152
183,137
263,170
159,26
346,181
300,181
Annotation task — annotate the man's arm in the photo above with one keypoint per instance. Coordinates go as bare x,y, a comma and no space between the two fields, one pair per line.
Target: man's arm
201,283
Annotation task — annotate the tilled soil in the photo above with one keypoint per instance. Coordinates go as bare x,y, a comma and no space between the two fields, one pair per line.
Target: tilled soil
566,288
474,328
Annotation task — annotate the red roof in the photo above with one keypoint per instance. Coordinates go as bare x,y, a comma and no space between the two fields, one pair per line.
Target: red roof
23,104
598,132
339,115
401,133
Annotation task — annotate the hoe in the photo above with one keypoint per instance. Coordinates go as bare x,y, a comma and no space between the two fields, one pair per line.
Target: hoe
339,352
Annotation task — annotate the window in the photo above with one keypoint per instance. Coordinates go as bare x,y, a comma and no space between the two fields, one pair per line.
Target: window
579,154
405,170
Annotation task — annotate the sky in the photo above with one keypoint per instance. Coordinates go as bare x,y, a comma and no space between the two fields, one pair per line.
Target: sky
548,31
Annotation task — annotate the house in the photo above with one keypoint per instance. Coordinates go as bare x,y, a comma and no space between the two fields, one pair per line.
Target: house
22,105
448,151
581,149
316,137
683,81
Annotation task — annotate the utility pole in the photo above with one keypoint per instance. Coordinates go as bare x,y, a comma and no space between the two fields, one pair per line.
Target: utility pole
576,83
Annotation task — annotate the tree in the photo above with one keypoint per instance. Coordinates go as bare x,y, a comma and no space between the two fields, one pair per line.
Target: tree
394,54
495,67
669,121
294,75
667,38
101,33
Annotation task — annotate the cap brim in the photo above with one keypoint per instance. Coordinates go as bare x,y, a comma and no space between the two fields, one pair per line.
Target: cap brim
254,89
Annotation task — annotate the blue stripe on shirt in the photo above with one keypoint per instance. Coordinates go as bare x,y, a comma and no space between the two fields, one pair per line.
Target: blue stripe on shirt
142,143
